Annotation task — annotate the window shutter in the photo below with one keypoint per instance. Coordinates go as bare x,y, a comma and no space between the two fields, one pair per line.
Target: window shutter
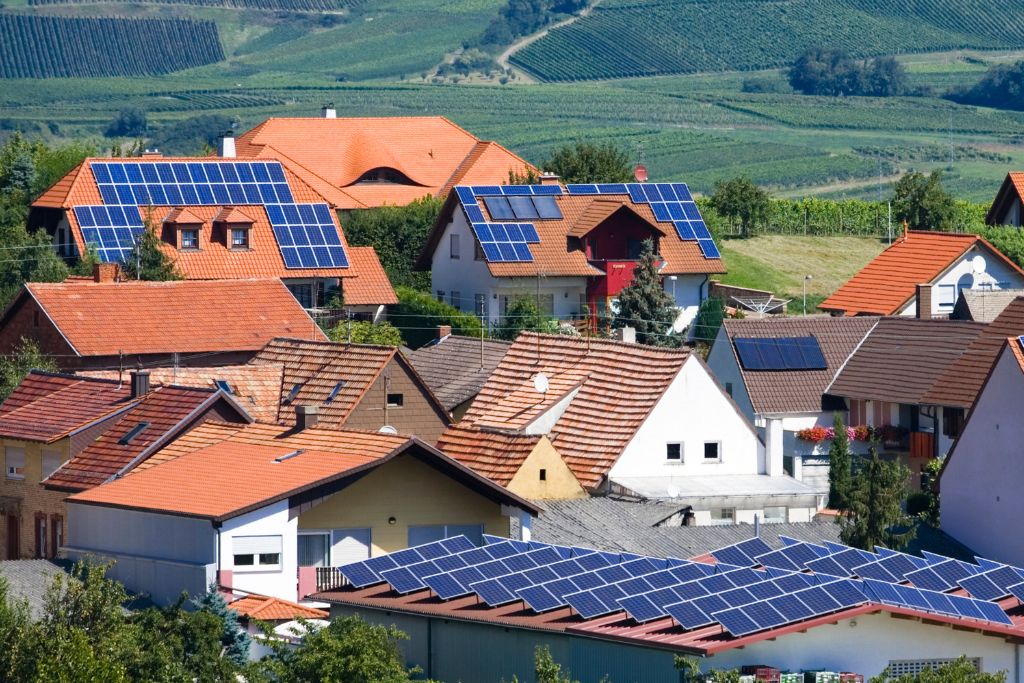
255,545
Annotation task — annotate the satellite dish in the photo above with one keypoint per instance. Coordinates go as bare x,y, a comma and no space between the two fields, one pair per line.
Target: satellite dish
540,383
673,491
388,429
978,264
640,173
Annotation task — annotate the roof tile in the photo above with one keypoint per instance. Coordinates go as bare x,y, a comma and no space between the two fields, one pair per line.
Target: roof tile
47,407
457,367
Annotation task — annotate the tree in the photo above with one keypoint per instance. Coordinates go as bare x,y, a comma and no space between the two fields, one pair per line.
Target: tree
709,319
234,639
587,162
191,136
522,315
959,671
690,669
148,261
15,367
546,669
365,332
834,73
645,305
398,234
840,475
129,122
418,315
875,515
922,202
1002,87
740,200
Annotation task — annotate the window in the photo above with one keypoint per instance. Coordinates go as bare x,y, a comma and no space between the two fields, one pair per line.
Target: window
478,251
239,238
314,549
440,295
418,535
50,461
256,552
189,239
912,667
720,515
454,246
40,527
396,400
952,422
674,452
302,292
456,299
15,462
56,534
775,514
543,474
132,433
712,451
728,388
633,247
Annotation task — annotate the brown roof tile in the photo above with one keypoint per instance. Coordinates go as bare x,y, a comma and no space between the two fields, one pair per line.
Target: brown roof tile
265,608
797,391
182,216
47,407
902,358
497,456
138,317
370,286
457,367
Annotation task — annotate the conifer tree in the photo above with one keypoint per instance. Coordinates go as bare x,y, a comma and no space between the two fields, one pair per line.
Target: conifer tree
875,515
147,261
839,467
645,305
235,640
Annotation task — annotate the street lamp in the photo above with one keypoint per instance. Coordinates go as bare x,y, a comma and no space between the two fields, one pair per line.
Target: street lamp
807,278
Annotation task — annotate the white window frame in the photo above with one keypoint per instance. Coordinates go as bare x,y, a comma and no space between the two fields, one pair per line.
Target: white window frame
231,237
674,461
453,246
53,457
315,532
181,239
775,520
712,461
719,514
258,545
12,469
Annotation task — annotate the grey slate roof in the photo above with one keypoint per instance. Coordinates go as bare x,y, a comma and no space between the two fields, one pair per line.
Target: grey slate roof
29,580
454,367
983,305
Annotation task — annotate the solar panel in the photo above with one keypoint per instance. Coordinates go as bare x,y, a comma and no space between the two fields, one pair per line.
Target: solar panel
737,597
953,570
827,565
764,615
359,575
846,593
307,236
780,353
928,578
642,608
192,183
993,612
765,590
778,560
539,598
111,230
875,570
736,622
445,586
818,599
791,607
588,606
403,580
499,246
688,615
982,587
732,555
911,597
493,592
966,607
711,603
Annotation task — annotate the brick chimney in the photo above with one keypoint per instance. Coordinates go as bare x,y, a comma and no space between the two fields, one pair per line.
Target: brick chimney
105,272
226,146
443,331
306,417
549,178
924,301
140,383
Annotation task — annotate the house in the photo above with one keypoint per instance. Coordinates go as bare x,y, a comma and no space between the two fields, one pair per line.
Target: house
888,384
63,433
981,476
353,386
1006,209
777,369
983,305
283,616
102,324
572,248
360,163
563,417
294,500
942,263
456,367
218,220
624,617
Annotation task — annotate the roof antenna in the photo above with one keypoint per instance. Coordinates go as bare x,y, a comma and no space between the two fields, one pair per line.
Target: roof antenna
120,368
757,526
906,230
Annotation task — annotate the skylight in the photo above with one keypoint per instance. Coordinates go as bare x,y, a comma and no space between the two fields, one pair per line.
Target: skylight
134,432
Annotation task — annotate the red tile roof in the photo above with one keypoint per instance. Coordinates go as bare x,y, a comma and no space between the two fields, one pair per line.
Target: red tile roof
332,154
371,286
266,608
887,284
495,455
138,317
616,385
48,407
1012,190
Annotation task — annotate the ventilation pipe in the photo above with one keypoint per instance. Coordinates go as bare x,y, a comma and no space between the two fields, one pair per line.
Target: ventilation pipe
140,383
226,146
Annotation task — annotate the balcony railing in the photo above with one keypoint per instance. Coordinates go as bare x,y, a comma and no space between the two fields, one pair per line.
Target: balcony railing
329,578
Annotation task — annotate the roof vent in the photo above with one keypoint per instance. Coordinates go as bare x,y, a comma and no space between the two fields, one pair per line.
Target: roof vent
328,111
292,394
289,456
306,417
335,391
140,383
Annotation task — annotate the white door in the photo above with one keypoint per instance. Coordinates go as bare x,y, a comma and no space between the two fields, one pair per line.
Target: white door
349,545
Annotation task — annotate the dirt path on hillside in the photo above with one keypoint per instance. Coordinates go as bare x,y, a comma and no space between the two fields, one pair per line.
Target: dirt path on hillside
838,185
518,45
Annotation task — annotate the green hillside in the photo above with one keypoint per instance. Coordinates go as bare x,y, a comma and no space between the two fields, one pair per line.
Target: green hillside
628,38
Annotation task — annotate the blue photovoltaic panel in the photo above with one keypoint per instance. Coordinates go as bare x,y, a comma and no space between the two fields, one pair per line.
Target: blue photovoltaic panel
818,599
764,615
192,183
736,622
493,592
929,579
445,586
778,560
710,604
846,593
307,236
852,557
875,570
993,612
642,608
911,597
359,575
982,587
111,230
780,353
688,615
827,565
1017,591
765,590
539,598
966,607
588,606
403,580
953,570
791,607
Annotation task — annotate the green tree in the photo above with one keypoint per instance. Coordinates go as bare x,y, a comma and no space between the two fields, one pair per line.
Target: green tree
645,305
710,316
691,673
365,332
129,123
18,655
15,367
587,162
147,261
418,315
522,315
875,515
234,639
398,234
547,670
741,200
840,474
959,671
1001,87
923,203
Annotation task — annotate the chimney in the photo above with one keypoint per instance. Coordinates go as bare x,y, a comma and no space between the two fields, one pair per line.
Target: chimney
924,301
773,447
152,154
226,147
443,331
549,178
140,383
625,334
104,272
328,111
306,417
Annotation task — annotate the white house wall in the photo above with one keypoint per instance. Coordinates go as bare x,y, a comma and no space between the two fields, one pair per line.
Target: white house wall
692,410
981,485
687,291
268,521
997,275
722,362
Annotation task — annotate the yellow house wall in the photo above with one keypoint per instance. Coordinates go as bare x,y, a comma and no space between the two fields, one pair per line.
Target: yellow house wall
560,482
31,495
414,494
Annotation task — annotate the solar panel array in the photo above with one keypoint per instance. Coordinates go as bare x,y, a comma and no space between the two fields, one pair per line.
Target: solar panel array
780,353
750,588
305,233
670,203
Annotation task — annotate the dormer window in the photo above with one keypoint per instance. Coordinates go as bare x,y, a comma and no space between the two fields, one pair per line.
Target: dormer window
239,237
188,238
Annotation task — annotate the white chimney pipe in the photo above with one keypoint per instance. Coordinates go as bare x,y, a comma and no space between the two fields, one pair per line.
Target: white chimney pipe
773,447
227,145
328,111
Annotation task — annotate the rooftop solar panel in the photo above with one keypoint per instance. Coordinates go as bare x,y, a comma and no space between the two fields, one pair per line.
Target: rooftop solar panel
993,612
307,236
493,593
982,587
445,586
736,622
588,606
688,615
928,578
764,615
791,607
403,580
642,608
780,353
110,230
539,598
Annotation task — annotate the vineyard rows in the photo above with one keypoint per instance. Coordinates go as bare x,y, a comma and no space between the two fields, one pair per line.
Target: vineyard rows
69,47
286,5
645,38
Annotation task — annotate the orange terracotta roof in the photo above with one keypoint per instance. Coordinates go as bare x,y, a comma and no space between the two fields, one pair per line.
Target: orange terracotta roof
256,388
164,410
1018,182
1010,192
616,385
138,317
231,214
887,284
430,151
207,434
182,216
55,197
266,608
47,407
371,286
498,456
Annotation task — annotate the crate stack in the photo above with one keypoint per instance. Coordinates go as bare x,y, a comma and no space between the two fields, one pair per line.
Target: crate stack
759,673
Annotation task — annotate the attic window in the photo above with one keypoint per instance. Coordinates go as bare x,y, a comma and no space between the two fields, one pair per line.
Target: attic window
223,385
134,432
385,175
188,238
293,393
335,391
239,237
395,400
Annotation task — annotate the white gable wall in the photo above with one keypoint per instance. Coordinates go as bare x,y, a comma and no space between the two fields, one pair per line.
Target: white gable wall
268,521
693,410
722,362
465,274
997,275
687,291
981,500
